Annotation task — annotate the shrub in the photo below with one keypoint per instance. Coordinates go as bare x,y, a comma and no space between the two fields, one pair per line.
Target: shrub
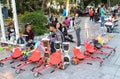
37,20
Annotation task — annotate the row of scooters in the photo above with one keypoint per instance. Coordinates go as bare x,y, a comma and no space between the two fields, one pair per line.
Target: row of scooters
60,59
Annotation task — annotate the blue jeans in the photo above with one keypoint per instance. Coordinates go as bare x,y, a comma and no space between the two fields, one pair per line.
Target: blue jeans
102,21
78,36
52,47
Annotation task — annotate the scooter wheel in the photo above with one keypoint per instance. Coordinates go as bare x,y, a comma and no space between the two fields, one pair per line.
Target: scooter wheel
1,64
114,51
36,75
73,62
18,71
64,67
101,63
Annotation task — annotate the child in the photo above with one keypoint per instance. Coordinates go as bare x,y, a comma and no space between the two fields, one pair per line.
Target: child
91,12
10,30
26,53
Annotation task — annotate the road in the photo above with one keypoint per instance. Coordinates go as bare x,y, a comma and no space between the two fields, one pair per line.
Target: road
109,70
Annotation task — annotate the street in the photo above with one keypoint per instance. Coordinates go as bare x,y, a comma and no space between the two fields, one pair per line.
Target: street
109,70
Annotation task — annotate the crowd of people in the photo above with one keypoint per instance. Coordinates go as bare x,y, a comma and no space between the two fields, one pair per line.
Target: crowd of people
100,13
59,29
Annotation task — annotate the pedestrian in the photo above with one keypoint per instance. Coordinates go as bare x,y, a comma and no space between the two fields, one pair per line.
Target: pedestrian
102,15
10,30
91,14
56,34
59,26
51,18
96,15
77,28
63,29
75,11
114,17
29,32
71,23
56,20
67,22
64,12
119,10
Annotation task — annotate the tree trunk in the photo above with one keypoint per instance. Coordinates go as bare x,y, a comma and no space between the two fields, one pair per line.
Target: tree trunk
43,3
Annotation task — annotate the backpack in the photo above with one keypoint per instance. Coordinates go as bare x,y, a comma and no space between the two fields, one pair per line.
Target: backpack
21,40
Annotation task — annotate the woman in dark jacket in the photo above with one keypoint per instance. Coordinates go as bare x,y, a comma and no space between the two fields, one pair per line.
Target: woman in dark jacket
63,29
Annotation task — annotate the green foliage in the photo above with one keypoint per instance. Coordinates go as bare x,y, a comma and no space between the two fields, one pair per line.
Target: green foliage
114,2
38,22
61,0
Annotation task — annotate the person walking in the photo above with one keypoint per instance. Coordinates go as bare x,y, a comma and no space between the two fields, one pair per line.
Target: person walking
102,15
91,14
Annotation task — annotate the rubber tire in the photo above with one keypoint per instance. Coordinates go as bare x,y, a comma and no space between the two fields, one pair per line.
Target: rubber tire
1,64
101,63
36,75
73,62
64,67
18,71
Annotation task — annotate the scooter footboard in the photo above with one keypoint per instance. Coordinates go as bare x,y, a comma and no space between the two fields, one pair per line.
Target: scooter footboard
40,69
94,58
22,65
6,59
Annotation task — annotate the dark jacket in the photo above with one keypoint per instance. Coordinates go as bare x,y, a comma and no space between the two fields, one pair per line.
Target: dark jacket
11,30
30,35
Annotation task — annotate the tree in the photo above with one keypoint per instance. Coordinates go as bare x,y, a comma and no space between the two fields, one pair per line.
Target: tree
37,20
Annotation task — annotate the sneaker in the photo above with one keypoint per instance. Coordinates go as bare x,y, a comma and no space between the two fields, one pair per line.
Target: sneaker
78,47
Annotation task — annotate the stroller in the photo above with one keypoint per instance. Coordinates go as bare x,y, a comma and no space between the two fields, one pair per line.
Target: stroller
16,55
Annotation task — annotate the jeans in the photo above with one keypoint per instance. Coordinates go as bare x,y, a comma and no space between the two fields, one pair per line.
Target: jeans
102,21
91,18
78,36
52,47
69,38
